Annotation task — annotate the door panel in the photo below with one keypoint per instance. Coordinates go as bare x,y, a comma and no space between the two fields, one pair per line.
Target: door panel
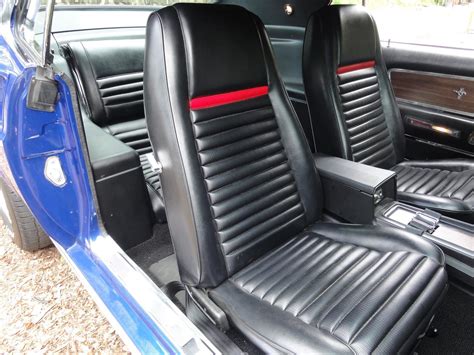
435,94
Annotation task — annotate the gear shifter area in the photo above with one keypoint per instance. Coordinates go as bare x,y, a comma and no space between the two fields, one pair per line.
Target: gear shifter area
425,221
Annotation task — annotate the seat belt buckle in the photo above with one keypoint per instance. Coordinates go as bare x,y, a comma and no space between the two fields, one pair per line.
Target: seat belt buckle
155,165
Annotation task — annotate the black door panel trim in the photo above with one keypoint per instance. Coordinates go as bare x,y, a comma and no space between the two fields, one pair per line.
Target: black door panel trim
435,62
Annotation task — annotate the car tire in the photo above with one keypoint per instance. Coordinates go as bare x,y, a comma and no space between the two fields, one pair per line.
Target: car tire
26,232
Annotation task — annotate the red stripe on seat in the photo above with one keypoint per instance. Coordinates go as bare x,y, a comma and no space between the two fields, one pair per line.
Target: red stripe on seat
358,66
199,103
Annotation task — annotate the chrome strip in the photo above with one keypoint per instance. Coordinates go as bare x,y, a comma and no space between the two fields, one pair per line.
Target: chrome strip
432,74
176,326
469,114
427,48
98,301
459,265
48,22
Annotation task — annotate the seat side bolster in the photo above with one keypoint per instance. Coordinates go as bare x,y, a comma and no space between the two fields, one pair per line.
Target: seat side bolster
183,187
319,68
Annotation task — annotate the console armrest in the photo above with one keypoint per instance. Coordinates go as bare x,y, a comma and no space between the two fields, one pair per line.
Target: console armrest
107,154
352,190
120,185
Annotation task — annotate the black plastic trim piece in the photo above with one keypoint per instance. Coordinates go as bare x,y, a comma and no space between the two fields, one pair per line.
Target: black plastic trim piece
208,307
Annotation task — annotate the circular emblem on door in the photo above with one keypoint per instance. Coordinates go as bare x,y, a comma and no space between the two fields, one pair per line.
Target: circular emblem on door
288,8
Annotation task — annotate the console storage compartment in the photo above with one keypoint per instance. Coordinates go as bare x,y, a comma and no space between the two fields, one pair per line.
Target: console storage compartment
120,186
353,190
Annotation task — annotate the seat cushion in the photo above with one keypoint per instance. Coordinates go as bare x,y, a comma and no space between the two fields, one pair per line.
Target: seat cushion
443,185
338,289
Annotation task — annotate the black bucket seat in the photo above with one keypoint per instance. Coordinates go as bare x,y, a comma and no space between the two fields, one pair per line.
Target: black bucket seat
355,115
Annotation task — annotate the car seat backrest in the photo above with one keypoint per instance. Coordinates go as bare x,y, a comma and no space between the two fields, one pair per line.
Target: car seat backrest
238,178
111,73
348,90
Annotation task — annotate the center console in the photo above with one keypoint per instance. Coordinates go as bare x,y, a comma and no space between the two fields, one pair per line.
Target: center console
358,193
456,238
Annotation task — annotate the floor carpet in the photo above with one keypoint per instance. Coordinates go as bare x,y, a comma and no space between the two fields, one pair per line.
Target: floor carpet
153,250
455,323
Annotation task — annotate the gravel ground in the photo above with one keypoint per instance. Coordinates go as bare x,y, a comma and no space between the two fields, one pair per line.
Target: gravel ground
44,308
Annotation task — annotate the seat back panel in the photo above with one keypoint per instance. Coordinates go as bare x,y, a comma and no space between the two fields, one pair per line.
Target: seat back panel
111,73
229,143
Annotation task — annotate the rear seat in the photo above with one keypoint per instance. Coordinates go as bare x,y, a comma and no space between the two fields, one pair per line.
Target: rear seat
111,78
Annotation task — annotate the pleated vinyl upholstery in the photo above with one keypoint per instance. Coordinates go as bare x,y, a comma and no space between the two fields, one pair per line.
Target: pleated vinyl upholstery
367,130
355,294
251,189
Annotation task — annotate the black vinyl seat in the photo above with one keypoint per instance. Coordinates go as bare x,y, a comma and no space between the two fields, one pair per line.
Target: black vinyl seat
355,115
111,77
333,289
243,200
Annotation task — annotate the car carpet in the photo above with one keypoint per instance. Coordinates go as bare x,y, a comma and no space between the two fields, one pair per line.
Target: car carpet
455,323
153,250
